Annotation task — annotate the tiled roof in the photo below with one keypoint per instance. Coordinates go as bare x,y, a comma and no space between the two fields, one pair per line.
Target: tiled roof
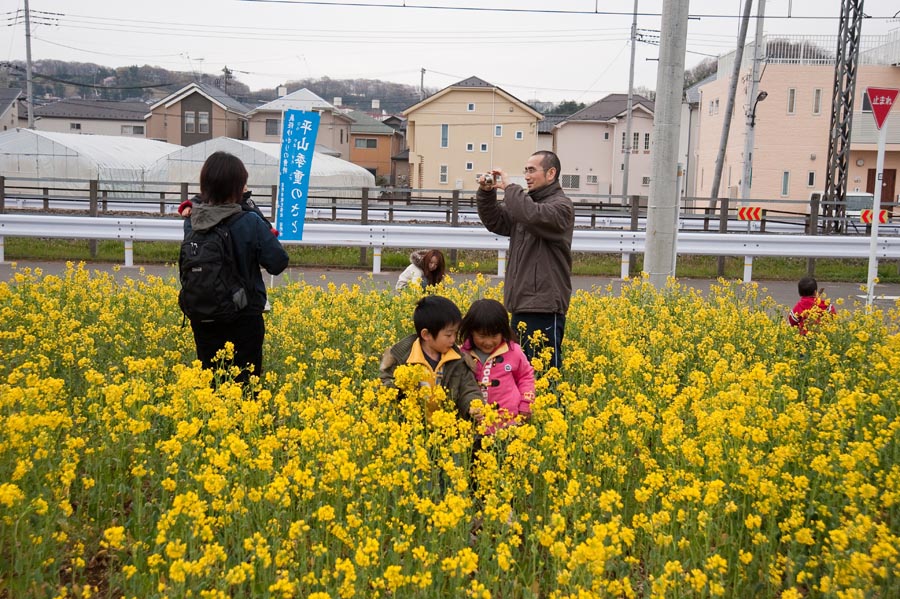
8,95
550,121
610,107
363,123
472,81
692,94
223,98
302,99
93,109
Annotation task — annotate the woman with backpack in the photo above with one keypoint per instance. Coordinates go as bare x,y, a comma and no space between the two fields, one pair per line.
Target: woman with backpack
222,289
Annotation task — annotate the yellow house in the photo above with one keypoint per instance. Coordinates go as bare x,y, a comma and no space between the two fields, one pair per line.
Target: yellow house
466,129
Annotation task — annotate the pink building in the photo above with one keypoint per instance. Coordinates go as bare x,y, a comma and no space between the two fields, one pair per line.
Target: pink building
790,156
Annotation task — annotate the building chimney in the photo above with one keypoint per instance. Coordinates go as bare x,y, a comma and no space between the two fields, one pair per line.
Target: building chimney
337,101
281,91
376,104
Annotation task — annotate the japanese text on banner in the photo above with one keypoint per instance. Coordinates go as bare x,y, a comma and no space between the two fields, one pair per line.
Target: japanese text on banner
298,142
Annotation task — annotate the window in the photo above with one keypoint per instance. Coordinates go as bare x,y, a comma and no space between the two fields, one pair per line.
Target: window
470,166
645,181
717,106
817,101
635,141
484,147
570,181
811,179
203,122
444,174
273,126
591,179
445,135
498,130
470,147
342,136
785,182
132,129
605,135
623,141
792,98
710,107
75,126
363,142
470,107
190,124
520,135
867,106
646,142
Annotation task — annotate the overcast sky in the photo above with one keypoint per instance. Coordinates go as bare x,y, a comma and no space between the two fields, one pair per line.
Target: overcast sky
535,49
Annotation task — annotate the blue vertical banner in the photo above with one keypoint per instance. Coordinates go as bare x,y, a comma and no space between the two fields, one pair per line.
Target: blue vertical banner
298,143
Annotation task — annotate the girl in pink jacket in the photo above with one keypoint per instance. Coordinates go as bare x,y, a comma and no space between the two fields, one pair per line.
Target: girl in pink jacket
501,367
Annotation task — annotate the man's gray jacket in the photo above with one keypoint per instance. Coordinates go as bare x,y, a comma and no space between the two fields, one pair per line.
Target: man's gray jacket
539,263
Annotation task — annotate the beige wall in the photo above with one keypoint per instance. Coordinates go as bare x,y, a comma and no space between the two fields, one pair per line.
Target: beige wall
9,119
334,130
790,142
591,148
87,126
468,127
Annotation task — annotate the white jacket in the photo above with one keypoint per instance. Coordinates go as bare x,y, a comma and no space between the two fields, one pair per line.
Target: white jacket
414,272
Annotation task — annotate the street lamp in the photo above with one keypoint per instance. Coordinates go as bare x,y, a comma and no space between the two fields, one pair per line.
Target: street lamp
759,98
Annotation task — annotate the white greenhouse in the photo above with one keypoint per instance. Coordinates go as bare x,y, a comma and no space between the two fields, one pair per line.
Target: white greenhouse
118,162
262,161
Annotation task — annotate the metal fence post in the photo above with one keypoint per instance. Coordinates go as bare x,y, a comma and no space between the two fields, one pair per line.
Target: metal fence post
812,228
105,203
634,225
2,194
46,193
454,221
364,220
162,202
93,187
723,228
183,192
274,214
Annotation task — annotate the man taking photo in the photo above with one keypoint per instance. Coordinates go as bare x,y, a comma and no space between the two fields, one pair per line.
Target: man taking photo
539,224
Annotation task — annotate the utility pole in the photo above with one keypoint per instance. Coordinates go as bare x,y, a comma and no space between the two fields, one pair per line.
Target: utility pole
422,85
729,104
662,211
29,85
750,138
628,108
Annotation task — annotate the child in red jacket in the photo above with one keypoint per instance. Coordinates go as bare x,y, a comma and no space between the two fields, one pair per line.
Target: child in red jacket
503,371
810,308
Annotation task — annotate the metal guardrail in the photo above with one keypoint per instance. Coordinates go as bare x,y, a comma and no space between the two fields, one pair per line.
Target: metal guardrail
379,236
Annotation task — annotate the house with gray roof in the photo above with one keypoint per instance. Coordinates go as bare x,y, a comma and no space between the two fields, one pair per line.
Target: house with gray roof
92,117
9,107
197,112
690,135
373,144
264,122
592,143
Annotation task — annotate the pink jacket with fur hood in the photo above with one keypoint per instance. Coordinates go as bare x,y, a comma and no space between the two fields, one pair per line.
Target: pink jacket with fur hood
506,379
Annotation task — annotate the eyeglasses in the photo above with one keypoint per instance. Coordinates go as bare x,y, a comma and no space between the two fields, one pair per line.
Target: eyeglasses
530,170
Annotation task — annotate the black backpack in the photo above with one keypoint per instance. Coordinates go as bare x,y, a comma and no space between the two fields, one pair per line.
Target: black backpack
212,288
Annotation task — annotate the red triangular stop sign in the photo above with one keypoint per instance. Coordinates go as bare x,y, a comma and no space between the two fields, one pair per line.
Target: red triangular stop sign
881,100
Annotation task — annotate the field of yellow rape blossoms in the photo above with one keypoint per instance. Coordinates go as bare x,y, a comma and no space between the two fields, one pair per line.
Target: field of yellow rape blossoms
693,447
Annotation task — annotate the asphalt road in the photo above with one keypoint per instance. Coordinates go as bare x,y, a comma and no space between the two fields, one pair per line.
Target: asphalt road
783,292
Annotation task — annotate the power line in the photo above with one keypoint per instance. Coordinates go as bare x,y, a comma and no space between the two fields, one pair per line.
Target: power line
531,10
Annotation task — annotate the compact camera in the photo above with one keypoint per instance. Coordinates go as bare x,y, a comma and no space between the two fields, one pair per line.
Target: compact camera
488,178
